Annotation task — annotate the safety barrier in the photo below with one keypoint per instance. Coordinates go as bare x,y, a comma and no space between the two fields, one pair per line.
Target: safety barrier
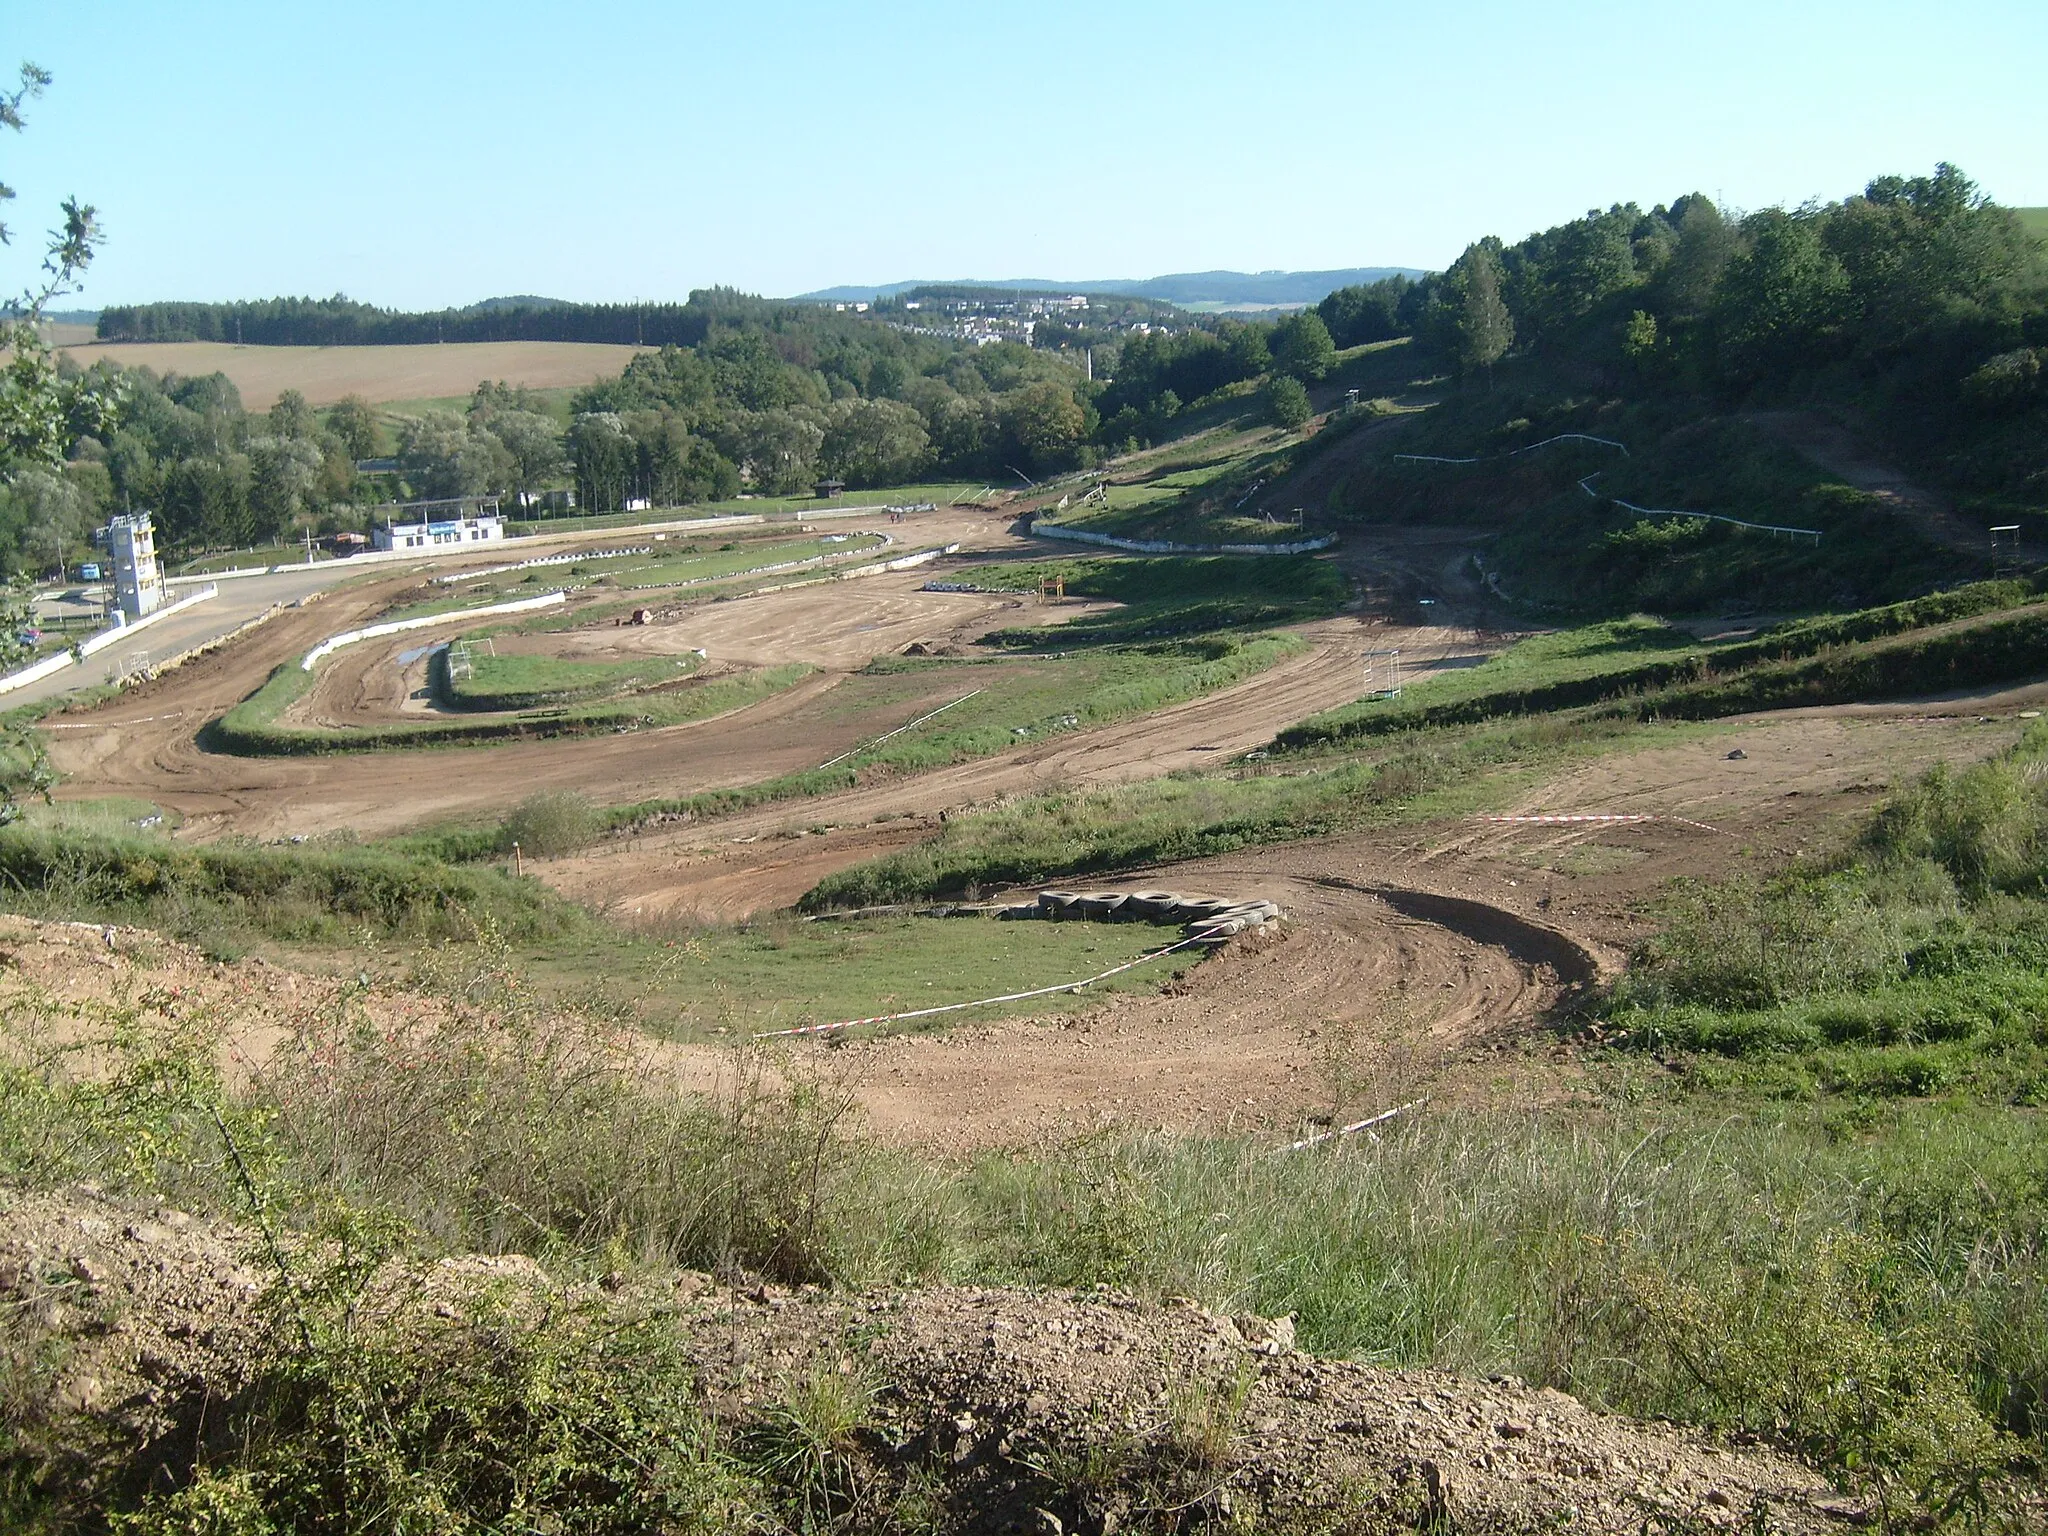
50,666
334,643
1586,485
1045,530
1487,458
1206,919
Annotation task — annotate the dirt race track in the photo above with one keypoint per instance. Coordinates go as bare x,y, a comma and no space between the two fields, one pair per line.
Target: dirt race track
1413,961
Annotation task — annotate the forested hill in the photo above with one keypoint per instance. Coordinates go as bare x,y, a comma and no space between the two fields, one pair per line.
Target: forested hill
1871,371
1916,308
343,322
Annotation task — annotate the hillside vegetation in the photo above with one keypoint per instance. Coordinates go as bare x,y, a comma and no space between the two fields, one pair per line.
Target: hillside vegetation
1738,363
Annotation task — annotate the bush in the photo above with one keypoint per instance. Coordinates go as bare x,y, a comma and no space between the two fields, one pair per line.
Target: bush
550,823
1287,401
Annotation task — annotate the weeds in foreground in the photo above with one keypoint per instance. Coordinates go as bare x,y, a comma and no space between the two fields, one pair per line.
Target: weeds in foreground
1596,1256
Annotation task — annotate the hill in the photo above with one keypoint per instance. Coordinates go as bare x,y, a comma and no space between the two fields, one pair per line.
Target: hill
1187,289
2035,219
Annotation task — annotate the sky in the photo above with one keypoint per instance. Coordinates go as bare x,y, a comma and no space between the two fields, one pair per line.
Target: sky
422,153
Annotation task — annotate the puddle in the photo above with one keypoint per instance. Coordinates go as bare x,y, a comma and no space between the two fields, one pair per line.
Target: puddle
407,658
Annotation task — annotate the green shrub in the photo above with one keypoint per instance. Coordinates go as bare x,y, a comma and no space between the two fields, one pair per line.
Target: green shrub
554,821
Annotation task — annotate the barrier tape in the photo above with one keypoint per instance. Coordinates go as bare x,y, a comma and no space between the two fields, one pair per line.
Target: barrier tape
920,720
1561,821
1562,437
983,1002
1354,1128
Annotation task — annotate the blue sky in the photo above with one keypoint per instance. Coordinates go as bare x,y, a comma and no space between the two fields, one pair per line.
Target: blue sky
435,152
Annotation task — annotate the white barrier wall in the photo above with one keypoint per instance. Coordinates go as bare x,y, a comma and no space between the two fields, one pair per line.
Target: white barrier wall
334,643
50,666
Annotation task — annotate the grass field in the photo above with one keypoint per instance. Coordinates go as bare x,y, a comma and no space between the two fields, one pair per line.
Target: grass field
255,728
494,682
2035,219
379,374
936,492
783,973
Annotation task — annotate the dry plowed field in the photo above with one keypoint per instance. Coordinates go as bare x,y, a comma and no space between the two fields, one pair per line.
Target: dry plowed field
379,374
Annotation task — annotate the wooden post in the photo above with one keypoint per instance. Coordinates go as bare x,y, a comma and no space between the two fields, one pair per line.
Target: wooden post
518,864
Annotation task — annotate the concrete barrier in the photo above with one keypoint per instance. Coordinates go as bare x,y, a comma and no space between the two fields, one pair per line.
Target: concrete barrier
334,643
50,666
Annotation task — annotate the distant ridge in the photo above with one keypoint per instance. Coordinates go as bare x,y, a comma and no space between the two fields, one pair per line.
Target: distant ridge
1183,288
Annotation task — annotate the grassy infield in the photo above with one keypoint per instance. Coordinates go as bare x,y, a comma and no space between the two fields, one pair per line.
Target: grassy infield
1827,1228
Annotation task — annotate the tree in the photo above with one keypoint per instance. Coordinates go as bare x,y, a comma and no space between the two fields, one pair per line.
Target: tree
1287,401
535,444
1784,299
605,457
445,456
351,419
292,417
1046,421
283,472
1485,328
1302,347
779,448
877,442
40,411
1705,242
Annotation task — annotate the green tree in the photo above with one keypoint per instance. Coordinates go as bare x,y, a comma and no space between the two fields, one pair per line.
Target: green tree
283,472
353,421
534,443
445,456
1705,242
1782,301
605,458
877,442
41,412
1287,401
1485,328
1302,347
292,417
1047,422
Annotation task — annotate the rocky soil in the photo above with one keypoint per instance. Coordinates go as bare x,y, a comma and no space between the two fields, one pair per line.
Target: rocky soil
130,1332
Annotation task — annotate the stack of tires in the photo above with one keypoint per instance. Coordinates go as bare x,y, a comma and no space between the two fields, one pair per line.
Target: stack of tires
1209,919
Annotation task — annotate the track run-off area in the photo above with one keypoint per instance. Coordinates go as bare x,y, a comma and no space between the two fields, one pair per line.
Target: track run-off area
1414,956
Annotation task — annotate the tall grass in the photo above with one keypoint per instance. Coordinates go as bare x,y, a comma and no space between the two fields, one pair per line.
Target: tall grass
1644,665
217,894
1187,816
1912,962
1870,1293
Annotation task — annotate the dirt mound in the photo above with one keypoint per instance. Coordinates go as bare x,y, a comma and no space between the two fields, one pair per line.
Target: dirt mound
1036,1410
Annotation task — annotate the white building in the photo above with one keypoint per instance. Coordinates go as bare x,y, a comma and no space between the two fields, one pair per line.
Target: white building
130,543
438,525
